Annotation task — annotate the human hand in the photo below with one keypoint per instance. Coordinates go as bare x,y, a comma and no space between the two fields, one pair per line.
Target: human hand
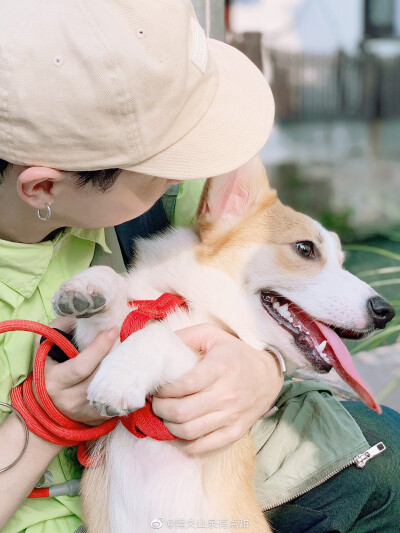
217,402
67,383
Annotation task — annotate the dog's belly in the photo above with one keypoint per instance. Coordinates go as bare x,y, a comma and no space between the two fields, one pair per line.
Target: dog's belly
153,481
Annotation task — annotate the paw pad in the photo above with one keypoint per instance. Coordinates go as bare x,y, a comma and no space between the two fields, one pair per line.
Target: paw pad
69,302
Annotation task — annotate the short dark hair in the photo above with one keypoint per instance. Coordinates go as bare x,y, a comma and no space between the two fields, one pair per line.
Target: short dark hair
100,179
3,166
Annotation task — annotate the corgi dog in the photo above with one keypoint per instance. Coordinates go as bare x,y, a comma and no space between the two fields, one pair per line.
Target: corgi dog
260,270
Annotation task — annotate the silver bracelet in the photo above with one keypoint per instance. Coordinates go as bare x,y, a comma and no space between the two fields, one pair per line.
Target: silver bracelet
274,350
26,436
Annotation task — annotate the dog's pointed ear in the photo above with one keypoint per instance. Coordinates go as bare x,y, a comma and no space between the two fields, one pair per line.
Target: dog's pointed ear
229,197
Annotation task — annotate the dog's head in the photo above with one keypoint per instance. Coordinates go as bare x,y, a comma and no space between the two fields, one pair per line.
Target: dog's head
291,269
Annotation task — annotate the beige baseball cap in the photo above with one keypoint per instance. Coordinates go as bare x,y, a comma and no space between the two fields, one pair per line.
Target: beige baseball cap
131,84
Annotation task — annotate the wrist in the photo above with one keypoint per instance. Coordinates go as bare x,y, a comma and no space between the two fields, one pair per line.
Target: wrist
12,437
275,367
273,370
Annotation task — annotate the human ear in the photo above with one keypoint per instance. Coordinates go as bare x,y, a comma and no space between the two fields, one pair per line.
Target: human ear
35,185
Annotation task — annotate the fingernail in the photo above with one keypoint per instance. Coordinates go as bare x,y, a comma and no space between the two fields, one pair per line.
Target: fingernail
113,333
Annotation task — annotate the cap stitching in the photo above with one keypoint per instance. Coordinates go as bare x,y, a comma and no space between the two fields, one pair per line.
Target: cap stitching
137,139
140,33
4,109
12,157
263,118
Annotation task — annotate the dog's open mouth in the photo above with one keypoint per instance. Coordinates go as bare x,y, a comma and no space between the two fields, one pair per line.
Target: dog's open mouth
320,344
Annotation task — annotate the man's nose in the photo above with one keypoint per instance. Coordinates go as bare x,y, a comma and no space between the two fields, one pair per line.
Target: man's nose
380,311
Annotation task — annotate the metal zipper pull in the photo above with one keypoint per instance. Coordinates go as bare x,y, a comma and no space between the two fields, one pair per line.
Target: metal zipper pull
362,458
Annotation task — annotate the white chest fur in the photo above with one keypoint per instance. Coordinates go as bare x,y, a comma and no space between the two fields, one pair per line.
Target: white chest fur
153,481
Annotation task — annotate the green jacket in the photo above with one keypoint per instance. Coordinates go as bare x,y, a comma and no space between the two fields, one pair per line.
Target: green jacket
309,439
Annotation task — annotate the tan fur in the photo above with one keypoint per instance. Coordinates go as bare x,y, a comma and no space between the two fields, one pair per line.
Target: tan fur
95,493
227,474
228,483
340,253
268,222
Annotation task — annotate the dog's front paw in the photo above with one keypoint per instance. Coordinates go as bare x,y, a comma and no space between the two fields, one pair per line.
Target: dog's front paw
105,410
87,293
115,390
81,302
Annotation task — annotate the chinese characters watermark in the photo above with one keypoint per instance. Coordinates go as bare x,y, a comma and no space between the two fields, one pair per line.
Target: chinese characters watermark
158,523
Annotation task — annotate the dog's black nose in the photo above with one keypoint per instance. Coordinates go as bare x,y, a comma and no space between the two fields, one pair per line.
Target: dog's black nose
380,310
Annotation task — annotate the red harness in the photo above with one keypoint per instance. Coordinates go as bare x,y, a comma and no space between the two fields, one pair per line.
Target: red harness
143,422
52,425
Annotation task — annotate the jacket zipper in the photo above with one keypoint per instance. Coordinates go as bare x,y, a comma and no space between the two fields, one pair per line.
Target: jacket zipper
359,461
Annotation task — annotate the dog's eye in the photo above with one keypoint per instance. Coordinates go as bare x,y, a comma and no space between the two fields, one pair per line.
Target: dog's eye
305,249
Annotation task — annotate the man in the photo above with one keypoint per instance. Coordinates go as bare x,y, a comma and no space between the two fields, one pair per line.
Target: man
104,104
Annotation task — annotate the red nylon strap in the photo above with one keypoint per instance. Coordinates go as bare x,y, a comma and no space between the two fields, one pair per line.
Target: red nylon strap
47,421
149,310
52,425
144,422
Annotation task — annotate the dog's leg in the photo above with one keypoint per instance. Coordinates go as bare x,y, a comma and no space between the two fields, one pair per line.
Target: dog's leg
95,492
229,486
146,360
98,297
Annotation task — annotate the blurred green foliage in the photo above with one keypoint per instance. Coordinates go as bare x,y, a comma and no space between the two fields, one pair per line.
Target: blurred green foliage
377,262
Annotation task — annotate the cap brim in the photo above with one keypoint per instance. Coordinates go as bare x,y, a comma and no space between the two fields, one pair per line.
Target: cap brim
235,127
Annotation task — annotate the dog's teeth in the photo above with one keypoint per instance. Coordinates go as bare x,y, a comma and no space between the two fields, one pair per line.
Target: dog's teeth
283,311
290,319
275,305
325,357
321,347
307,332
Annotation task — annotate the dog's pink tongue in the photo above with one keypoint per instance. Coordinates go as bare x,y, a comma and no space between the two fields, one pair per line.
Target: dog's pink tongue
343,364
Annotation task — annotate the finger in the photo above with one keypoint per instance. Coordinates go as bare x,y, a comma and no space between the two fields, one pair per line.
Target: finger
37,342
180,410
80,367
64,323
88,415
198,427
201,377
201,337
211,442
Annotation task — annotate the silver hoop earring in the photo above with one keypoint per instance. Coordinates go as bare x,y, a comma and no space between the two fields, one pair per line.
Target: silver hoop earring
46,216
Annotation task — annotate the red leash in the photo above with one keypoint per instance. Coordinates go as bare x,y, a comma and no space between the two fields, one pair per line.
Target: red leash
52,425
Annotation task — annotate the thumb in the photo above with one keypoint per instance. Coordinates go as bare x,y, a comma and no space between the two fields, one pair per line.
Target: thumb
85,363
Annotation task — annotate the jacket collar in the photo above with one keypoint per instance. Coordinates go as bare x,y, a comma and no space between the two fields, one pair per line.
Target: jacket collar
22,266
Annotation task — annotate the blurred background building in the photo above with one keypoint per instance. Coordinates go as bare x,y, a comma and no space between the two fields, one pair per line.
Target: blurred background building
334,152
334,68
